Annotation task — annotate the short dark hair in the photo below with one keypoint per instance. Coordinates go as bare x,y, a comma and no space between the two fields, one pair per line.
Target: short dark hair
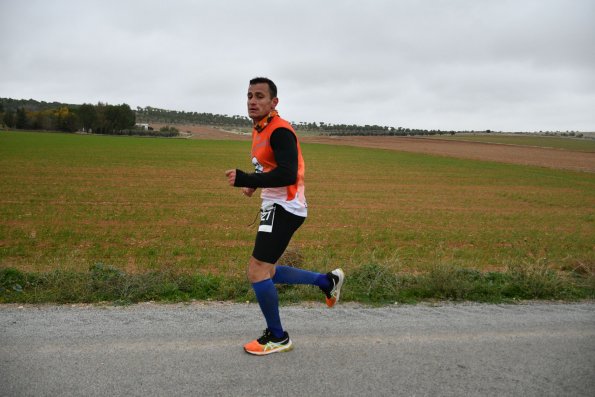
269,82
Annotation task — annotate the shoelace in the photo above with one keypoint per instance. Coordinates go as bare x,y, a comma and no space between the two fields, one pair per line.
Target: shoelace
266,334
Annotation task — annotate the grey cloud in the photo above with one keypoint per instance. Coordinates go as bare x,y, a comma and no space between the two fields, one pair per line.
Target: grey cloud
440,64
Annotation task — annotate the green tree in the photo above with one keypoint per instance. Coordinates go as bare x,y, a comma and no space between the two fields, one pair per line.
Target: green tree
87,115
9,119
43,120
21,118
126,117
66,119
118,118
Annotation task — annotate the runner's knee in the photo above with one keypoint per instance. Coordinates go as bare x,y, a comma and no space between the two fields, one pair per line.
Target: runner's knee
258,270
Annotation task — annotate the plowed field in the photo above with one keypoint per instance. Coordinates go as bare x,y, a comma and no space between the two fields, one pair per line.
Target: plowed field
514,154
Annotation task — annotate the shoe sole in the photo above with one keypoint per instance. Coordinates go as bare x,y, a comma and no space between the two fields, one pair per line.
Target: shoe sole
341,275
281,349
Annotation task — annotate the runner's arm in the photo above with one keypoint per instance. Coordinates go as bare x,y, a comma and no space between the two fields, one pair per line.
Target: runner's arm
284,145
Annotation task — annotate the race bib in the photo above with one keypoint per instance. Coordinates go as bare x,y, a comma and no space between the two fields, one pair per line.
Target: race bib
267,217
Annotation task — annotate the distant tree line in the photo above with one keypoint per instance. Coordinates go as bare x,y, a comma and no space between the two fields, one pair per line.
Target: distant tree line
121,120
366,130
101,118
567,133
155,115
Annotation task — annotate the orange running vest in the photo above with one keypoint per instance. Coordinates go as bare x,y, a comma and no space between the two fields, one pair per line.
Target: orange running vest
292,197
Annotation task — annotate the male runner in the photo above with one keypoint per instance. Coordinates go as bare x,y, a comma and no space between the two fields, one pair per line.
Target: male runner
277,158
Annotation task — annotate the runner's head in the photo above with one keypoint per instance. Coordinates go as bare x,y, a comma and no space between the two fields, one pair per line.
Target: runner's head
267,81
262,98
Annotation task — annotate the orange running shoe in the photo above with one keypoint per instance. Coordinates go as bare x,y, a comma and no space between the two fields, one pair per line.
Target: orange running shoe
336,277
268,344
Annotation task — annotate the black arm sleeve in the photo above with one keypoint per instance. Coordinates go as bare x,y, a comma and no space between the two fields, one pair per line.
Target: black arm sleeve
284,145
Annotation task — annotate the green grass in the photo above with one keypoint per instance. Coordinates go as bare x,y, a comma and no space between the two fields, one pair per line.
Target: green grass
575,144
372,283
159,216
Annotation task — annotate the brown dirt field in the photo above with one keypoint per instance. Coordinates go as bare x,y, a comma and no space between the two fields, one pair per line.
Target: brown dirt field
204,132
525,155
513,154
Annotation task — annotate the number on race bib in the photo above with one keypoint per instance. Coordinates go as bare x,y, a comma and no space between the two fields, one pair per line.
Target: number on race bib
267,217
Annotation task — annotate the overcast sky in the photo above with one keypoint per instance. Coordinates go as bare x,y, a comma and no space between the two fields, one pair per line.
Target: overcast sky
452,64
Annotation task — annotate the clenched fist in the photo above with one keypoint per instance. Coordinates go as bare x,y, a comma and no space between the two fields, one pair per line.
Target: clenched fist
231,177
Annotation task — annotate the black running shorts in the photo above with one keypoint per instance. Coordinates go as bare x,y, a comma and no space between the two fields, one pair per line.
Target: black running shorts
276,228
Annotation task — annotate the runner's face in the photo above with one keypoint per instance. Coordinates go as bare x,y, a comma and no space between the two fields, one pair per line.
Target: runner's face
260,102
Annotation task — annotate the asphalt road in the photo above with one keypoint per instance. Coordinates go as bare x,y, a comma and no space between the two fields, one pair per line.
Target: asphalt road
537,349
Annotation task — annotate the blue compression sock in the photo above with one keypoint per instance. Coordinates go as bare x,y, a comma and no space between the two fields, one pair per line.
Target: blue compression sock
292,275
268,299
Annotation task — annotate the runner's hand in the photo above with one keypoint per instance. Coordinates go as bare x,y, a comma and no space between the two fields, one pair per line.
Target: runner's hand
248,191
231,177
